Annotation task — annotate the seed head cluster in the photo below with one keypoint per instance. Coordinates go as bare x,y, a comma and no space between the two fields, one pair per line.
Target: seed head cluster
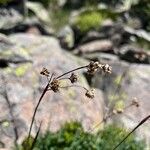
92,68
73,78
45,72
90,93
54,85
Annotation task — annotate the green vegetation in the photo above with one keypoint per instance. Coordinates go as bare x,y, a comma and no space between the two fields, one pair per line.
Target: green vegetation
92,19
73,137
60,18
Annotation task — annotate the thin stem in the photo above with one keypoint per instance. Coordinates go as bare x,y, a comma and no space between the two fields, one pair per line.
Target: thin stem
74,85
39,101
142,122
108,116
35,139
71,71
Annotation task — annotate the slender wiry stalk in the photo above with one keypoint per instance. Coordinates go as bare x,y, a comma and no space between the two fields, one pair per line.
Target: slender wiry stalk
142,122
39,101
107,117
71,71
75,85
35,139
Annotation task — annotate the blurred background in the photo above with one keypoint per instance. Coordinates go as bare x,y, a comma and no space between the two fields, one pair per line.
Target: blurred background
62,35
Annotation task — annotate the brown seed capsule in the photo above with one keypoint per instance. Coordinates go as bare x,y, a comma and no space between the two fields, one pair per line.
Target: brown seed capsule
45,72
106,68
73,78
93,67
54,85
90,93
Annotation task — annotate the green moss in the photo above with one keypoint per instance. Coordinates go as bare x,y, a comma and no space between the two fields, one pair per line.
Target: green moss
119,105
92,19
21,70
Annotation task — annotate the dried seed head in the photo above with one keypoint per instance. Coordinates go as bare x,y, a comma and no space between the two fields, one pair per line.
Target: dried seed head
54,85
45,72
93,67
106,68
73,78
135,102
90,93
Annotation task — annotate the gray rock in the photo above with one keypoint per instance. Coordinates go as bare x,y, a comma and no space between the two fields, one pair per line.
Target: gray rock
9,18
5,43
134,54
66,37
95,46
102,57
24,85
91,36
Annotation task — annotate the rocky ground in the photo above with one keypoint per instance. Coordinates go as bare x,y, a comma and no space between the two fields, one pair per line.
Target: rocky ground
27,46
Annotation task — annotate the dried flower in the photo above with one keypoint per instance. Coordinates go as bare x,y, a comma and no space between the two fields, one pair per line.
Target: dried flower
106,68
92,67
45,72
135,102
73,78
54,85
90,93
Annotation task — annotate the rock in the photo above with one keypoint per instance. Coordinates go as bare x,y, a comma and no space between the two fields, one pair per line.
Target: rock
126,82
115,32
22,86
95,46
102,57
134,55
91,36
9,18
39,11
66,37
5,42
